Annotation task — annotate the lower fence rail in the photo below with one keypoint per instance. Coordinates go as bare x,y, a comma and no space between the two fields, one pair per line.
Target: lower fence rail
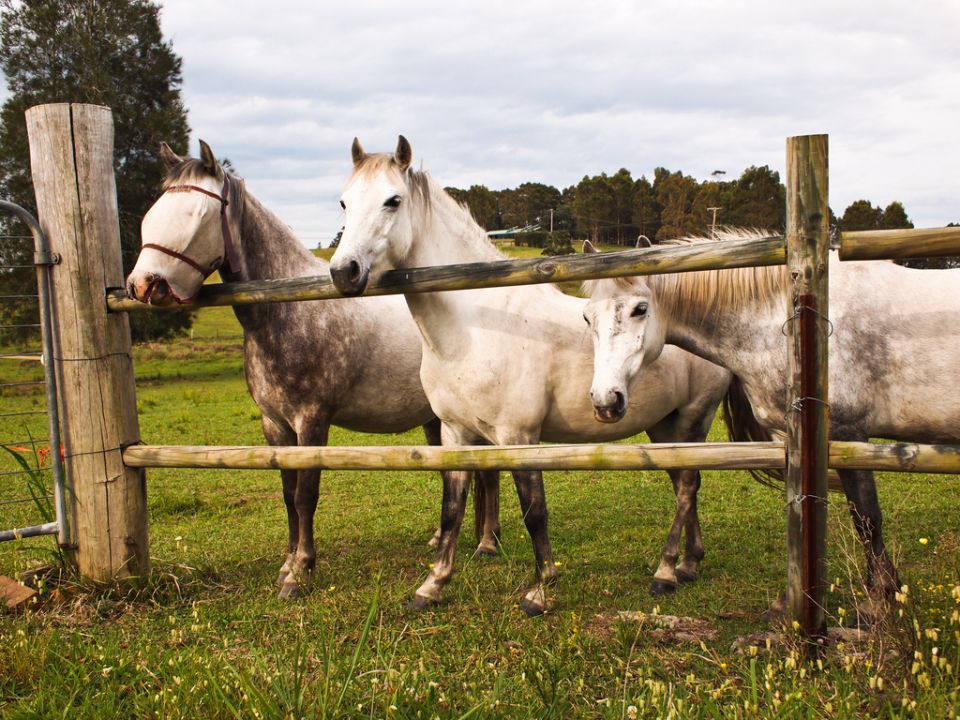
898,457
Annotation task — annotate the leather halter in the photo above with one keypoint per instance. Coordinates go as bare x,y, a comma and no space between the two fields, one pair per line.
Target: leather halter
231,263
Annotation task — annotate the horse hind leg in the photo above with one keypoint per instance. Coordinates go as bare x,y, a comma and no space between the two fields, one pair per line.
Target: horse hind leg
882,578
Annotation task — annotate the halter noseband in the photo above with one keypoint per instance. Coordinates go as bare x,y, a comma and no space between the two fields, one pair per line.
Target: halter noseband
231,261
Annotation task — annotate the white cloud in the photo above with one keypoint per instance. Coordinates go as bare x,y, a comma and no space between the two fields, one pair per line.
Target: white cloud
498,93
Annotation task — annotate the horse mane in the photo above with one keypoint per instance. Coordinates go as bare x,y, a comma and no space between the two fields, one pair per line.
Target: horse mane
694,296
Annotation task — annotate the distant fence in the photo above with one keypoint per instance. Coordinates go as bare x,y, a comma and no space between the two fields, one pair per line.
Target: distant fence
71,151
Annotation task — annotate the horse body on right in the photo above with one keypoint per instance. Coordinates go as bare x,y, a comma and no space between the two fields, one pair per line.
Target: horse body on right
893,353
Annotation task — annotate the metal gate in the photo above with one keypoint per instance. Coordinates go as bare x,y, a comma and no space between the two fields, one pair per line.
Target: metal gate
31,463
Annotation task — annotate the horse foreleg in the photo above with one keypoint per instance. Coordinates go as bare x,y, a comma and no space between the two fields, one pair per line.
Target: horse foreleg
689,568
288,479
882,579
305,502
277,433
668,575
455,486
486,501
533,505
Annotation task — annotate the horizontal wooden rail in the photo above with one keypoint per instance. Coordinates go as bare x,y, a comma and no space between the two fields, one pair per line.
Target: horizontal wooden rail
897,457
896,244
529,271
614,456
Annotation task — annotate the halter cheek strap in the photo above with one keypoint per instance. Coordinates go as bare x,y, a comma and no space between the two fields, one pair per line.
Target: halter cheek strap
231,262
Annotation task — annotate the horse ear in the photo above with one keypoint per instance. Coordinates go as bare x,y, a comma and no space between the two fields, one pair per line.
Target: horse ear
588,247
169,157
404,154
357,152
208,159
643,241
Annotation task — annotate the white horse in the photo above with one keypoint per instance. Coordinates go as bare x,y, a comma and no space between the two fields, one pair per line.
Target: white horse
309,365
893,355
509,365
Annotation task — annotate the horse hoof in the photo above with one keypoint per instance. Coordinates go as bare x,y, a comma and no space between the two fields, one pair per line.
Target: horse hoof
282,578
487,549
534,603
419,603
662,587
290,591
686,576
531,608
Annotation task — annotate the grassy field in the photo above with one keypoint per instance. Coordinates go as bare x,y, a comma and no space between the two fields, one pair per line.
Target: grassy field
206,637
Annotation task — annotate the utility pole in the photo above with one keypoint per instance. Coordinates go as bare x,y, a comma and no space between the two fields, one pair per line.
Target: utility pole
713,222
551,220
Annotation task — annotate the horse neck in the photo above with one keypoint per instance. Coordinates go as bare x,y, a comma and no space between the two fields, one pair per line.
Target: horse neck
269,250
724,316
447,234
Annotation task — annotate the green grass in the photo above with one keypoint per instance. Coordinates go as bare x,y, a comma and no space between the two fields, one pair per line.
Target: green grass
206,636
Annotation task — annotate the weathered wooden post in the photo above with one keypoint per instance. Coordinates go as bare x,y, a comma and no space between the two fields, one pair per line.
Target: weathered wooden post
71,158
808,241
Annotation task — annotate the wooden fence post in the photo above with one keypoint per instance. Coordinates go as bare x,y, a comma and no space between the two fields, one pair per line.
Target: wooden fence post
71,158
808,241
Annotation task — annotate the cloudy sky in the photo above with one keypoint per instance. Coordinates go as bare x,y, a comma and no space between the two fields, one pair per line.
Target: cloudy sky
498,93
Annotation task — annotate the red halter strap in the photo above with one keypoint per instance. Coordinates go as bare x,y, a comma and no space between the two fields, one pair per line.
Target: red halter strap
231,261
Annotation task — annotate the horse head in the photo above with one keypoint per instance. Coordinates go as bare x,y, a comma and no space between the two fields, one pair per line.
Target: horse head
378,224
186,233
627,336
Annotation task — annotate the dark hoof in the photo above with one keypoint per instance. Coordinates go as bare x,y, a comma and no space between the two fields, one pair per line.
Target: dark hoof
532,609
290,591
686,577
420,603
662,587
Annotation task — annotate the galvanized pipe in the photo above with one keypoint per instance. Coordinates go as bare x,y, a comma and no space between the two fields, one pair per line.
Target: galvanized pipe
43,261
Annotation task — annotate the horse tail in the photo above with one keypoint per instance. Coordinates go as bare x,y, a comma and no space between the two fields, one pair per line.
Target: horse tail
743,426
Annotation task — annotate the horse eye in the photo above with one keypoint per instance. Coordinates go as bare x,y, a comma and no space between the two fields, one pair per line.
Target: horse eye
393,202
343,205
586,319
640,310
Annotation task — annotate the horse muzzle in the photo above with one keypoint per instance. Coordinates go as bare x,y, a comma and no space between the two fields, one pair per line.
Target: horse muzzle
611,413
350,278
152,289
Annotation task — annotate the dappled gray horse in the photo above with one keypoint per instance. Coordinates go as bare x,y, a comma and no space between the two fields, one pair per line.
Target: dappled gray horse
508,365
893,355
308,365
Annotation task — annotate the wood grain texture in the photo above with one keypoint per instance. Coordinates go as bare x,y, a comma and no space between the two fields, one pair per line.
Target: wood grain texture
646,261
895,244
71,155
808,244
709,456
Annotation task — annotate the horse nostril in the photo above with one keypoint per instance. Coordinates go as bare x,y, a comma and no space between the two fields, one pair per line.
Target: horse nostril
350,278
621,401
354,270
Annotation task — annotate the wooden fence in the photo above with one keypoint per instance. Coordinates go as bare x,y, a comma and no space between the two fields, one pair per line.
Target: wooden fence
72,155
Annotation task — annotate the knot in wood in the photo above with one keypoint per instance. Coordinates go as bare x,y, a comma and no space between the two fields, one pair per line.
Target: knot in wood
547,268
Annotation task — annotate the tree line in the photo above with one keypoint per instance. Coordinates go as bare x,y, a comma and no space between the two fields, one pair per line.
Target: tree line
616,209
